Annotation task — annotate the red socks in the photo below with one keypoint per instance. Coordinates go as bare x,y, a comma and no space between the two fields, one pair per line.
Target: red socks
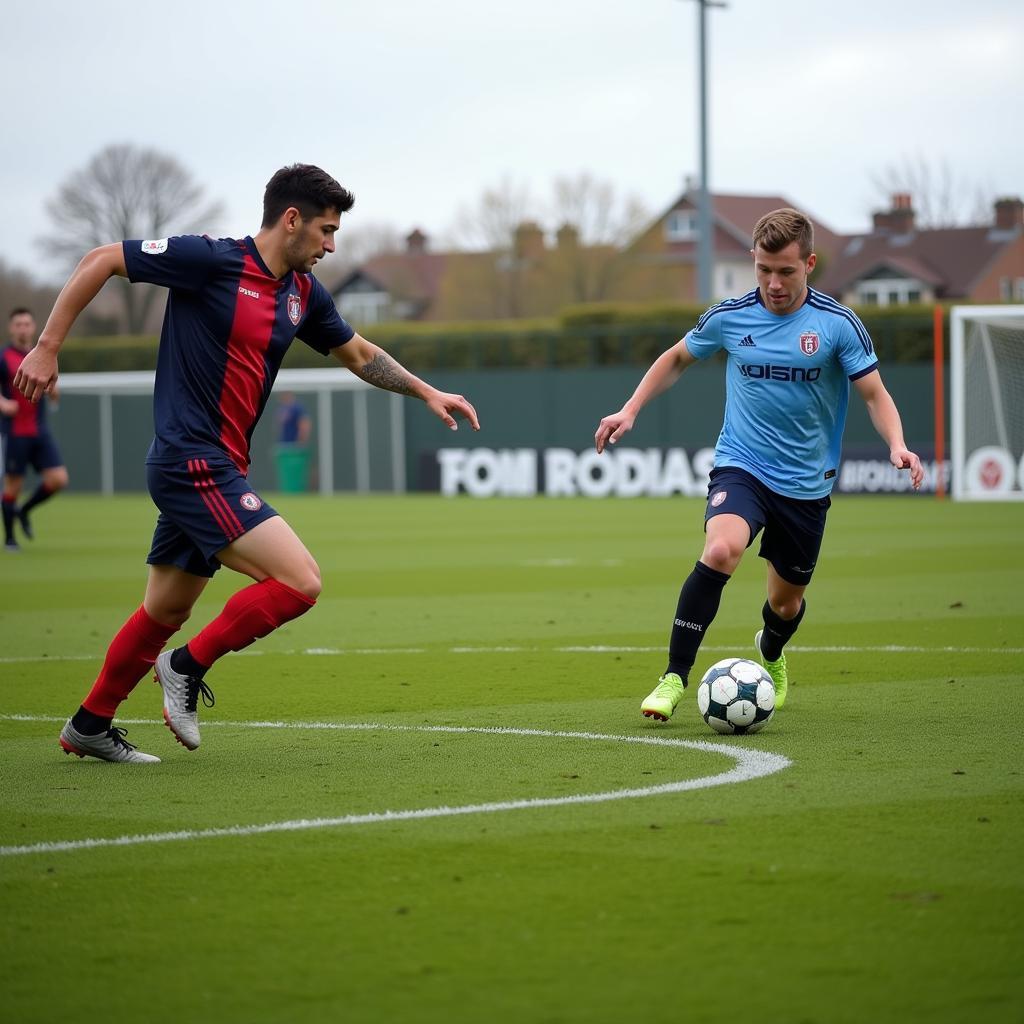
248,615
130,655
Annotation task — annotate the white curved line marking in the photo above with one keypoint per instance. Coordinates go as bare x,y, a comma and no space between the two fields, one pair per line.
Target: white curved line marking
750,764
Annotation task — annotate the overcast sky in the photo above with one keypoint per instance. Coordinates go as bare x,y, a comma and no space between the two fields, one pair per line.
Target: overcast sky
418,106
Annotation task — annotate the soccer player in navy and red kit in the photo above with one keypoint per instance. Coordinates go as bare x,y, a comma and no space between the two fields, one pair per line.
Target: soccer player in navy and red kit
27,440
234,308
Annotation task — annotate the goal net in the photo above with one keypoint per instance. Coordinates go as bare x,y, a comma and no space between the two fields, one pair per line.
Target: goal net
987,402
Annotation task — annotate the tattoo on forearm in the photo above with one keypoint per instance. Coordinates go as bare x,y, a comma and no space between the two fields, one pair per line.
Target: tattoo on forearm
383,372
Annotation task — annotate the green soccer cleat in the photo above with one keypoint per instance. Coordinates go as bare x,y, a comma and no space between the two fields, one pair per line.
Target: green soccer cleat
663,700
776,669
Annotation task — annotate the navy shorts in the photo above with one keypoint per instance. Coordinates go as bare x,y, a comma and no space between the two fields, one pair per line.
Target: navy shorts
38,452
205,504
793,528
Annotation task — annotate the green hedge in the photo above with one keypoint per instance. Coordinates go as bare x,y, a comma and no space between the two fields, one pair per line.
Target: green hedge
901,334
104,354
598,334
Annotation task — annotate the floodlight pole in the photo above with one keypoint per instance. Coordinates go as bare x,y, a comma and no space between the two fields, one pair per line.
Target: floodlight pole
705,227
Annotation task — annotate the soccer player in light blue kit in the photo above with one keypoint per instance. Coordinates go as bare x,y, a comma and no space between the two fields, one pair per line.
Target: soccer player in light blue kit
792,355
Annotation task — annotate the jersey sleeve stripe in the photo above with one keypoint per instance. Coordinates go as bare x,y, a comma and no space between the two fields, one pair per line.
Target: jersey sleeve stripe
865,371
827,305
750,299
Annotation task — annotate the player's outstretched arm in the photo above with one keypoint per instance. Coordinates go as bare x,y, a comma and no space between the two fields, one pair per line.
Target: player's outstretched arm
375,366
37,374
886,420
664,372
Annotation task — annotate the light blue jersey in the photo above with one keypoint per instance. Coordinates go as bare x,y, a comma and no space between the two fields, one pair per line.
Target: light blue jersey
787,387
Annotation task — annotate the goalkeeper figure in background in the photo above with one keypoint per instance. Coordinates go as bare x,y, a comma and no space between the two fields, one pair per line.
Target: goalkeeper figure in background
234,308
792,354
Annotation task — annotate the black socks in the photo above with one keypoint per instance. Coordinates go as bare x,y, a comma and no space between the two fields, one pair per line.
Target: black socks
777,631
42,493
89,724
698,605
8,508
183,663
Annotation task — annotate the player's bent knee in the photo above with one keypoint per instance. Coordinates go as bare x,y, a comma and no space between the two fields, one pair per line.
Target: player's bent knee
307,582
310,586
787,609
173,618
721,556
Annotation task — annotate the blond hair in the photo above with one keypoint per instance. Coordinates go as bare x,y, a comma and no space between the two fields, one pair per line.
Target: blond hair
775,230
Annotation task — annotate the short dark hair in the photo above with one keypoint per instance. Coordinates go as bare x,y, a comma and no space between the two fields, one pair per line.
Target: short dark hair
775,230
306,187
20,311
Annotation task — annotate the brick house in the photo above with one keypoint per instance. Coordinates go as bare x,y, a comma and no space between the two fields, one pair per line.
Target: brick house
897,263
537,278
663,257
531,279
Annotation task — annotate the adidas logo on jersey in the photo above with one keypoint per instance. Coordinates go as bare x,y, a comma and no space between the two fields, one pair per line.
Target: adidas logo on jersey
747,342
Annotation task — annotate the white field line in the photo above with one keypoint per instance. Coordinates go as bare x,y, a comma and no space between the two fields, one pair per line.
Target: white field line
749,764
587,649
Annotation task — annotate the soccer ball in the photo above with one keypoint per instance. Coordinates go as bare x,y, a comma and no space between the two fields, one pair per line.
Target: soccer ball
737,696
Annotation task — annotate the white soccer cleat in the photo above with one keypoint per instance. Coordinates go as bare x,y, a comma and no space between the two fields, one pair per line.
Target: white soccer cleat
106,746
181,701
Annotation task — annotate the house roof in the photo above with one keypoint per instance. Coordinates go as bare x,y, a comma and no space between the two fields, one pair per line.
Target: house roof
734,219
948,259
415,275
743,212
408,275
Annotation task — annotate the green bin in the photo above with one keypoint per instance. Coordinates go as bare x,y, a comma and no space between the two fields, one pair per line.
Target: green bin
292,468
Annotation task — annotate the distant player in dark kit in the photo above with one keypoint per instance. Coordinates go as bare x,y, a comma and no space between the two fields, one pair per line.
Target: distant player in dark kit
293,422
234,308
25,439
793,353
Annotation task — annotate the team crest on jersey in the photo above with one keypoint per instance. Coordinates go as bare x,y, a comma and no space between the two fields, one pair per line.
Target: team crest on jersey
718,498
154,246
250,502
809,343
294,309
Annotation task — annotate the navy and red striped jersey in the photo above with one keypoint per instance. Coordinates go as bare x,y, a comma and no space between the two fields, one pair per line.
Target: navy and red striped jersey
29,420
227,326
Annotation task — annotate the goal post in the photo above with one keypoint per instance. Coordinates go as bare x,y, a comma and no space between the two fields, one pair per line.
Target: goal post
987,402
105,424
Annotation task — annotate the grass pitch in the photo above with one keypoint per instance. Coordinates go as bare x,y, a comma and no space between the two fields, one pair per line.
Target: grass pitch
876,878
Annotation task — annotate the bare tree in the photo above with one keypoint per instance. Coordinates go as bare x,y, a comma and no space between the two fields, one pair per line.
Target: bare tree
597,212
490,223
126,192
496,282
594,225
18,289
359,245
941,198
